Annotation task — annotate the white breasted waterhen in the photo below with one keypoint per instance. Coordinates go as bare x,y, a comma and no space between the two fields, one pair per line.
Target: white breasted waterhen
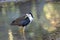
23,21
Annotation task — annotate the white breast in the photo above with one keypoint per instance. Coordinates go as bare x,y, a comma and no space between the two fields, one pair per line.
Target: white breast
30,17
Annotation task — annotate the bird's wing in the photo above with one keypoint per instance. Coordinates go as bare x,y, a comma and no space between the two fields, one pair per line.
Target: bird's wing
18,20
21,18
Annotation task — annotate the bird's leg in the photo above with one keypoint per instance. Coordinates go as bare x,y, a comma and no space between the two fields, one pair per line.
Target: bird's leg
24,33
21,30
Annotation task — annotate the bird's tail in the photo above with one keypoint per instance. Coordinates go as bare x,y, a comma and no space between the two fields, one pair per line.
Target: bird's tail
13,23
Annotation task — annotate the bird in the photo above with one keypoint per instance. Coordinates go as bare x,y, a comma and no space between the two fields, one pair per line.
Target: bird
23,21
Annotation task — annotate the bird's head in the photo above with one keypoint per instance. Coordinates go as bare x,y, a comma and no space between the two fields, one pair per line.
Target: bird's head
29,14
